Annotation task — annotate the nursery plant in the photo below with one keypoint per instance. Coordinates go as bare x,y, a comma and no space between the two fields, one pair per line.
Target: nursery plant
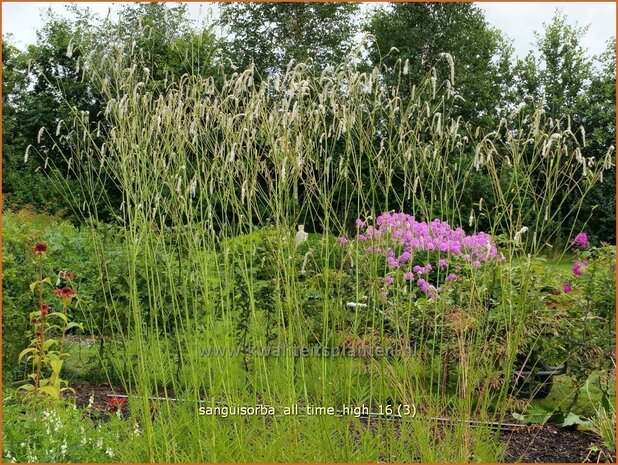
46,353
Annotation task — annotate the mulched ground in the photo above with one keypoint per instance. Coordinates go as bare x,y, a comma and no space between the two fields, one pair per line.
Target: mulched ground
548,444
94,400
533,444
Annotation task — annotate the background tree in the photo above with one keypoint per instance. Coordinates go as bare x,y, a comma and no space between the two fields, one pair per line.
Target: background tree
271,34
422,32
562,78
596,111
44,86
172,45
566,70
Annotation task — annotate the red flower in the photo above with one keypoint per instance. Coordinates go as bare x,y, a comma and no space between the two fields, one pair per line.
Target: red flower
68,275
44,309
65,292
116,402
40,247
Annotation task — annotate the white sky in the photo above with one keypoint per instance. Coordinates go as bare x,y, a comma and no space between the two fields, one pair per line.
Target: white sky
518,20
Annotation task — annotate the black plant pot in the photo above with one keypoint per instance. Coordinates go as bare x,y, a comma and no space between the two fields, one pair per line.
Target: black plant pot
534,380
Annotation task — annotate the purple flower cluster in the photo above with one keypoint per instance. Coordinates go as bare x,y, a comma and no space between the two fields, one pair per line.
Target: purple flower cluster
578,267
566,288
408,244
580,241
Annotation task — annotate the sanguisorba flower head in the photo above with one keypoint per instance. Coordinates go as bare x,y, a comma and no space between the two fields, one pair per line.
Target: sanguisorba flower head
581,241
40,248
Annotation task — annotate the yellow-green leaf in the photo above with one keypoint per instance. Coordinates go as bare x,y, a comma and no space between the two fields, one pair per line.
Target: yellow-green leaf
59,315
25,352
56,366
53,391
26,387
50,342
75,325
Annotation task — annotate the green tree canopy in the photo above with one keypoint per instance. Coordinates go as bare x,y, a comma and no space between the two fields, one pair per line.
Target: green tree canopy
44,85
421,33
560,75
269,35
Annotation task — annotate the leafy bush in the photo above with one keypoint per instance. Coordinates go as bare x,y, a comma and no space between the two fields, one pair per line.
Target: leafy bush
20,232
572,317
588,324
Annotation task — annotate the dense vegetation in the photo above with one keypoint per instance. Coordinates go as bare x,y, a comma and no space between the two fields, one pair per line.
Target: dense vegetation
490,81
207,223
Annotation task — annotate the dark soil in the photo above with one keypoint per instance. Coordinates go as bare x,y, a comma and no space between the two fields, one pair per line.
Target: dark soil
99,408
533,444
548,444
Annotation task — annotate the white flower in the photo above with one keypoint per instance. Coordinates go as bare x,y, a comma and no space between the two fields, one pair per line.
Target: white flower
519,233
136,429
301,235
356,304
26,154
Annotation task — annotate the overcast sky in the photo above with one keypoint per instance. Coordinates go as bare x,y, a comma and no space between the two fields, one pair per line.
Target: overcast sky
518,20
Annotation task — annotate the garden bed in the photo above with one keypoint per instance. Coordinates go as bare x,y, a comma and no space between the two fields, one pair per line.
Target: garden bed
533,444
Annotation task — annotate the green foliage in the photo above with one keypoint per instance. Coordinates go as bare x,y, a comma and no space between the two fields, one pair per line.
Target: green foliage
589,328
57,433
46,350
604,418
70,249
575,326
565,66
321,32
421,33
561,76
190,165
597,112
44,88
163,39
20,233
